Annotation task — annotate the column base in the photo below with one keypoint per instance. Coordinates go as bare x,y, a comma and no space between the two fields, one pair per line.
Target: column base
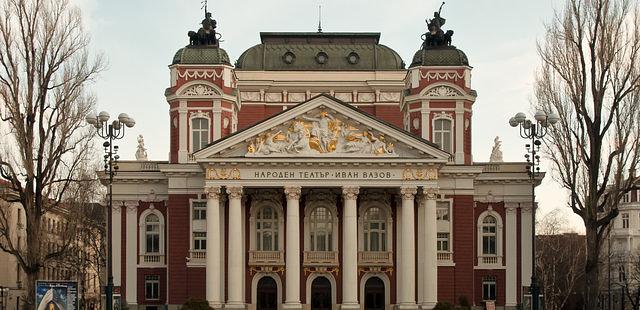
350,306
428,305
407,306
215,305
292,306
235,306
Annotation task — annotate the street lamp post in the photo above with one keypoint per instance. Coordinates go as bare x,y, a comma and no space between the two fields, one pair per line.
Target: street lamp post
110,131
533,130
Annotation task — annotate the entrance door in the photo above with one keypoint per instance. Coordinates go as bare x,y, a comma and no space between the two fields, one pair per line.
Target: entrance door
321,294
374,294
267,294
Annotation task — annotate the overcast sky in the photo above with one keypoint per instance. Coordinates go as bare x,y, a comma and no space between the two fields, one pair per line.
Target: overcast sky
140,37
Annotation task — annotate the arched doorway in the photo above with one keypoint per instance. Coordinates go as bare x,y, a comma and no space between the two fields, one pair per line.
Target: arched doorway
374,294
321,294
267,294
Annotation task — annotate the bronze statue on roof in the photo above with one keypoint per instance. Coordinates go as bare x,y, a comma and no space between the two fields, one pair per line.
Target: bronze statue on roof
206,35
436,37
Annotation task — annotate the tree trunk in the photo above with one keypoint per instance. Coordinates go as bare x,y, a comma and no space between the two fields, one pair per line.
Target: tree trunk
30,298
591,276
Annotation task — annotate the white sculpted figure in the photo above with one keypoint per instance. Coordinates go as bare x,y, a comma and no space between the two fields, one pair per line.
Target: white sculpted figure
266,145
141,153
321,130
298,139
496,152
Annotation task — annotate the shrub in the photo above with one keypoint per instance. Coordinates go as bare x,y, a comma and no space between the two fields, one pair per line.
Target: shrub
195,304
464,303
444,306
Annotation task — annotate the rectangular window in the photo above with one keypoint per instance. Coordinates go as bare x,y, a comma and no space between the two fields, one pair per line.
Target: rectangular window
489,245
199,240
625,220
442,211
199,210
489,288
443,242
626,197
152,287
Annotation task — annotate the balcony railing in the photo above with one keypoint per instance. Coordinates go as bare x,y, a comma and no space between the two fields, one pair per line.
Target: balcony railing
367,258
152,259
266,258
491,260
320,258
446,256
197,256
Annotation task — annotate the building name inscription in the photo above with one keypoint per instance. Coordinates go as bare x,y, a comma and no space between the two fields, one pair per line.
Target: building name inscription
321,174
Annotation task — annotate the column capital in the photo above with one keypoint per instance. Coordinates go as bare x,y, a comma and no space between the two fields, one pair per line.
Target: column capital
430,193
408,192
212,192
234,192
293,192
510,209
350,192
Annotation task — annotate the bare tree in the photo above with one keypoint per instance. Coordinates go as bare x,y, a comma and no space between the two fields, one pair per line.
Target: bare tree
560,261
590,76
44,72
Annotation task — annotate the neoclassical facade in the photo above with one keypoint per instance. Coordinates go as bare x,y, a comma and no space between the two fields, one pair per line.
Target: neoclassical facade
320,173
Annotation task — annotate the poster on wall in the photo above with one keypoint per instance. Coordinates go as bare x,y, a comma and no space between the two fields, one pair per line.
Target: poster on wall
57,295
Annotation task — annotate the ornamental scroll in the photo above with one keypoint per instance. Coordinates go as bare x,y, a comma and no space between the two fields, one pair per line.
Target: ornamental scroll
323,134
420,174
222,174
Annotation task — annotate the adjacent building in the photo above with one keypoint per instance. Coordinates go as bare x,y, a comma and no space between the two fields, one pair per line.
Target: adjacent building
321,171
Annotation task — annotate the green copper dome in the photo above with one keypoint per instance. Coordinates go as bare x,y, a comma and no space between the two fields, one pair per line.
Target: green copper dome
207,54
331,51
440,56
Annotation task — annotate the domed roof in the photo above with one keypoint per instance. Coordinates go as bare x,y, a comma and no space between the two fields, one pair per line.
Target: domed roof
201,54
331,51
440,56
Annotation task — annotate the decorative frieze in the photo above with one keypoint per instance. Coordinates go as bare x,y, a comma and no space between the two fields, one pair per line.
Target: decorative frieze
430,173
190,74
250,96
443,91
222,174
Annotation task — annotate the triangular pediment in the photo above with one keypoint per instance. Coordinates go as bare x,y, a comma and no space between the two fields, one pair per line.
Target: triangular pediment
322,127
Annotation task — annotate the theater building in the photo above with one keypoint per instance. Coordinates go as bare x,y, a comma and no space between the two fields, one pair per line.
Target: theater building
321,172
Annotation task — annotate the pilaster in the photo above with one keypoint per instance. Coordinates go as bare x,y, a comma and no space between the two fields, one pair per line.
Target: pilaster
511,255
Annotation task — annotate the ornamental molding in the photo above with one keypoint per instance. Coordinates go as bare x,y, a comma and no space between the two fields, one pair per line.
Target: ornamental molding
443,91
194,74
212,192
431,193
430,173
222,174
442,75
266,195
199,90
250,96
386,96
408,193
327,196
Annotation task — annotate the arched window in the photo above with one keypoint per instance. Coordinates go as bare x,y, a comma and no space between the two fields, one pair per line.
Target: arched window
199,133
267,229
375,230
489,236
152,233
442,133
321,230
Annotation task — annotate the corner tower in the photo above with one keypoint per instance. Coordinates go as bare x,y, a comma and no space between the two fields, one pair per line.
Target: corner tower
438,98
202,98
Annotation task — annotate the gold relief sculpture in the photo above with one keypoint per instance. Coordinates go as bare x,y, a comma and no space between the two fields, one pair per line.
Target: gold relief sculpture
323,134
222,174
429,174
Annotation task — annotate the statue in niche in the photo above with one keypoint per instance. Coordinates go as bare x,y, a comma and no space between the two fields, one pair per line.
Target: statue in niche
496,152
141,152
436,37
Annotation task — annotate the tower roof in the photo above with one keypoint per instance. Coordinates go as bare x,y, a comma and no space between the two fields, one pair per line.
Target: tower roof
204,54
330,51
440,56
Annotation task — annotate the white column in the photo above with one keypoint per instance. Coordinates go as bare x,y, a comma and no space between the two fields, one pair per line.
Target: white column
183,134
132,249
430,253
214,266
407,298
511,256
425,125
350,249
292,298
217,120
116,245
525,243
236,246
421,249
459,127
